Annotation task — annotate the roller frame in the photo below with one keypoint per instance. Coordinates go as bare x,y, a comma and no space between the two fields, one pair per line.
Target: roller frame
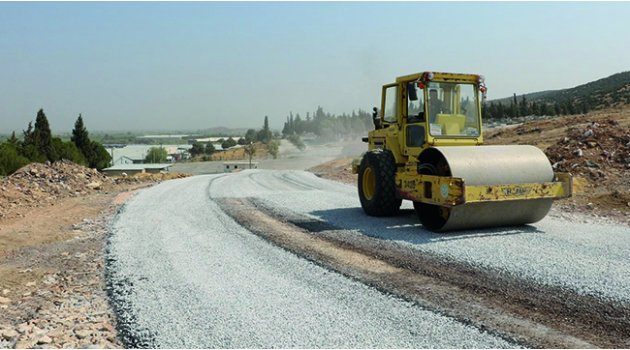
428,189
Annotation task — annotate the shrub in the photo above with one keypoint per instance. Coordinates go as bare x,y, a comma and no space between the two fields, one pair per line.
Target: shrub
297,141
272,148
68,151
10,160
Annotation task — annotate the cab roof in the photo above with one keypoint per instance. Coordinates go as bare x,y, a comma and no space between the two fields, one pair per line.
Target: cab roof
441,76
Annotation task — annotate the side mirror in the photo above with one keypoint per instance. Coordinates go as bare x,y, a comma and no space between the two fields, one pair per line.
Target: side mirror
411,91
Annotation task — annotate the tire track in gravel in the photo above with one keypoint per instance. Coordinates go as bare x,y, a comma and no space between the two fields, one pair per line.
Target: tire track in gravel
287,178
535,315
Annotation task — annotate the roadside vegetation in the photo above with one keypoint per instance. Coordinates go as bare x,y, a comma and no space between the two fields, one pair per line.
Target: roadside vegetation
327,126
296,140
37,144
261,143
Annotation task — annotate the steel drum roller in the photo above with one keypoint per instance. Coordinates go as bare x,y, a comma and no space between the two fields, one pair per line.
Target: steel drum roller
487,165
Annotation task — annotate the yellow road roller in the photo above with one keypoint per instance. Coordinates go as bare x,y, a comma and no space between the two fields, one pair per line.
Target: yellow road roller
427,147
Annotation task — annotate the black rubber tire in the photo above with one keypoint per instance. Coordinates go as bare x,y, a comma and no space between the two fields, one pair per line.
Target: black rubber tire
385,201
430,215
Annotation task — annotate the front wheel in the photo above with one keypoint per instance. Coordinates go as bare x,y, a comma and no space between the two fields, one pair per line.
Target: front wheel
377,184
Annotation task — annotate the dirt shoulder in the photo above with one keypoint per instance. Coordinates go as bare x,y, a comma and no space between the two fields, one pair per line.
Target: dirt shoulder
594,148
337,170
53,232
51,274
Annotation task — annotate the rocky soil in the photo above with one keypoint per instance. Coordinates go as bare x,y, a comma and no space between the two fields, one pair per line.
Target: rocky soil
54,295
39,185
53,231
338,170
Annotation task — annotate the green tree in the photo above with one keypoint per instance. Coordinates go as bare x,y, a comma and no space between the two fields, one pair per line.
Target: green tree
156,155
209,148
68,151
524,107
28,149
13,141
241,141
197,149
230,142
80,136
42,137
100,157
298,124
28,135
81,139
250,136
264,135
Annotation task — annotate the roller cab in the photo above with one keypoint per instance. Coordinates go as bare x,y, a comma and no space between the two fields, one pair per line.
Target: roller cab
427,147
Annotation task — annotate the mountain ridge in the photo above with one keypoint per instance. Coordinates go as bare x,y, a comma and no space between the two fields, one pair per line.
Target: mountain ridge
610,91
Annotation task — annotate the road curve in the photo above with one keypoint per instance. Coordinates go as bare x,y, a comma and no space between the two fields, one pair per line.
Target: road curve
183,274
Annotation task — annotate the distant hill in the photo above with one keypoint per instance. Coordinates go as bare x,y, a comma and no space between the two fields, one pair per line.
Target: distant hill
603,93
613,91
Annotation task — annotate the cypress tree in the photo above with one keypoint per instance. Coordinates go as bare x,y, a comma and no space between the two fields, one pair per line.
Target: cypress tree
524,107
515,101
42,137
80,136
28,135
264,135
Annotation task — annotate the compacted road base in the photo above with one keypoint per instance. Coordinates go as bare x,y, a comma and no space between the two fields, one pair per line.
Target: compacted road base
285,259
184,274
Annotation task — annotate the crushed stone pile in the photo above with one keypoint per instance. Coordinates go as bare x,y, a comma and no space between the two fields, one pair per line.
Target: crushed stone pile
597,150
37,184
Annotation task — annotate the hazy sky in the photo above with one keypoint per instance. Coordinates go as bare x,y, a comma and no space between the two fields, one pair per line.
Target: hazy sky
198,65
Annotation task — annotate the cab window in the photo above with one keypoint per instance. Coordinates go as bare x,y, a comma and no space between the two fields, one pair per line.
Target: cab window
453,110
415,103
390,106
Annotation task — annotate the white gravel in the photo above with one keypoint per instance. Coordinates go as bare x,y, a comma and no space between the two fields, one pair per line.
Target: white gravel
182,274
588,258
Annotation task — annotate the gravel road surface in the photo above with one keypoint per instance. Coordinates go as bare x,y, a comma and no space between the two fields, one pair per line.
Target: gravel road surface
183,274
588,258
